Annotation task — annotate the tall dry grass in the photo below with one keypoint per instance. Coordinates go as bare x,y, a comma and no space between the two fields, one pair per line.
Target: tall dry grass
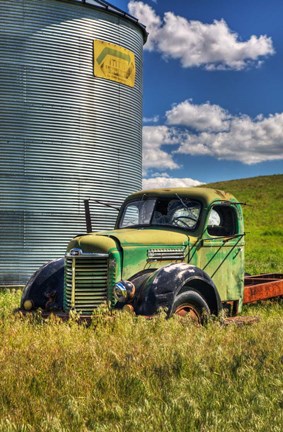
131,374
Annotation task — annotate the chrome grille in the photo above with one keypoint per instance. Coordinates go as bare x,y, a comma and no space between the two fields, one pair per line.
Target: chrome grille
89,274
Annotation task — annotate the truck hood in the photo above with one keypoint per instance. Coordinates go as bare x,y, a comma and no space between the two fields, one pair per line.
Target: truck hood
103,241
146,236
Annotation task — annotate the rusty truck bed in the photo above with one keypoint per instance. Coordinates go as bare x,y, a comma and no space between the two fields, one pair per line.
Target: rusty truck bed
263,287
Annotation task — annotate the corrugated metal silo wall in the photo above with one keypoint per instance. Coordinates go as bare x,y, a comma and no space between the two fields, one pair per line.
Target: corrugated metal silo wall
64,135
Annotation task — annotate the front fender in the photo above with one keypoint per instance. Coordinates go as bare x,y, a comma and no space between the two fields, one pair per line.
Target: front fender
45,288
161,288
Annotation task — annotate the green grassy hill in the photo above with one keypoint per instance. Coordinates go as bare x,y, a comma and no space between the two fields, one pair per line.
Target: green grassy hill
263,220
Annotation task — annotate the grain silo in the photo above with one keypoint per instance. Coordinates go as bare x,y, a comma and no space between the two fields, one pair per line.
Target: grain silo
71,121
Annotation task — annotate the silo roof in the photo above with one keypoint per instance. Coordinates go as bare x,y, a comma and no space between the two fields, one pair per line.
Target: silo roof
102,4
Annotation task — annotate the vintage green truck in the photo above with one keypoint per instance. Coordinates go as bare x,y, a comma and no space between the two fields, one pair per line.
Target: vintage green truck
181,249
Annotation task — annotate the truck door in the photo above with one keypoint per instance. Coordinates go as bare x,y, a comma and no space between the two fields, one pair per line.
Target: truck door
221,253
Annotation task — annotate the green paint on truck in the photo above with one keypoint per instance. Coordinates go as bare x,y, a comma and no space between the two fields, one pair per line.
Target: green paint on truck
181,249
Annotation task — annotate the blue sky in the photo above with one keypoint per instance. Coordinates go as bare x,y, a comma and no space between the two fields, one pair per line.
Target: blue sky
213,93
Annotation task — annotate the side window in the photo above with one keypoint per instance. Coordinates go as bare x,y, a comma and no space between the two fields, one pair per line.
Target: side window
214,218
222,221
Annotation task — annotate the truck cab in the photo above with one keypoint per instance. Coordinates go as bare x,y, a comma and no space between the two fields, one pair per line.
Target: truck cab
181,249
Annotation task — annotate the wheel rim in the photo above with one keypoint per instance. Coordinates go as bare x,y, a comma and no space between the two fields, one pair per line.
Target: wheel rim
188,311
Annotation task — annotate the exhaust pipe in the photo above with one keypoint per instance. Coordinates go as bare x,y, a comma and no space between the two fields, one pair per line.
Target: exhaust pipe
87,216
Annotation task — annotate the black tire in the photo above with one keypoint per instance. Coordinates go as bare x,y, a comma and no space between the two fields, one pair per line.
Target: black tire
191,304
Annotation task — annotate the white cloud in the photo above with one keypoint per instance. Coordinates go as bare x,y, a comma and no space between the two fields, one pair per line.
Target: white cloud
160,174
248,141
148,17
209,130
195,44
163,182
203,117
153,119
153,156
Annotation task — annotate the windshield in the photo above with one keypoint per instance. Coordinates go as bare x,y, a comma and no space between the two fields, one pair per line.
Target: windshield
175,211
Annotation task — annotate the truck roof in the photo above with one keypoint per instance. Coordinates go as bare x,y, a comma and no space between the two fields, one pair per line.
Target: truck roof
207,195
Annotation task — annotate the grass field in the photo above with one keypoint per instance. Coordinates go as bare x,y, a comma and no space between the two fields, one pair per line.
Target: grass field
263,220
131,374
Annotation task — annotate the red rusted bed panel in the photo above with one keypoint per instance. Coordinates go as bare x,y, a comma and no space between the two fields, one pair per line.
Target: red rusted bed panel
263,287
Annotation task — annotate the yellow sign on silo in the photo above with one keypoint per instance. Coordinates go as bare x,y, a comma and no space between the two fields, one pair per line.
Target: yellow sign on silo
114,62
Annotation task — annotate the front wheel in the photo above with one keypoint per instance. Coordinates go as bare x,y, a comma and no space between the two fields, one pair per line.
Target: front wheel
192,305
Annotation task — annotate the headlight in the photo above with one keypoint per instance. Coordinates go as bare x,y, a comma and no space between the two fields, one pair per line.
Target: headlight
124,290
28,305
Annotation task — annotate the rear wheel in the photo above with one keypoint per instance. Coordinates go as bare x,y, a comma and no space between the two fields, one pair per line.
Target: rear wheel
191,304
